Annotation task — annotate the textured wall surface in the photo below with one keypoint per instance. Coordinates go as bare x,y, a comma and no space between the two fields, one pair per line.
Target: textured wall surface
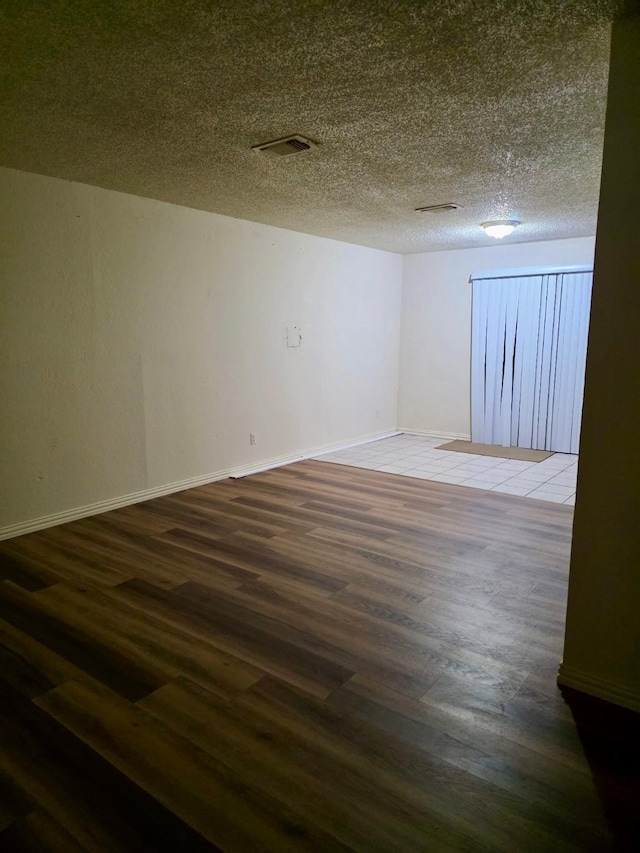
141,343
498,106
435,349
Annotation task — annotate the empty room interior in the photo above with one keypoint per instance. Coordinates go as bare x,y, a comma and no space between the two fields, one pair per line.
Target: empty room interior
319,411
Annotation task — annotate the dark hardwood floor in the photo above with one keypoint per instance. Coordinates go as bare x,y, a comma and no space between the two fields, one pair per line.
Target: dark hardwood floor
312,658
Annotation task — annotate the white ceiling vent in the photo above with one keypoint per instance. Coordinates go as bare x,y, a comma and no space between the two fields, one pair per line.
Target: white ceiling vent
438,208
288,145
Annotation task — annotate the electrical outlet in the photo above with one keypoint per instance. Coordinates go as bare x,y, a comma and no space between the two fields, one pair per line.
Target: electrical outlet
252,438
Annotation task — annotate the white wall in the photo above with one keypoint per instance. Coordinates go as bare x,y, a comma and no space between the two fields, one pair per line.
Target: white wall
435,349
602,643
142,342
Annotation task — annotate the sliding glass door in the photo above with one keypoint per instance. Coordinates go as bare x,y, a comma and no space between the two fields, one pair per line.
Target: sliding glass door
529,345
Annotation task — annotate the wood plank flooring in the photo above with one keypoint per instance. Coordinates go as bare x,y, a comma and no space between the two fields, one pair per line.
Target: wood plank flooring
312,658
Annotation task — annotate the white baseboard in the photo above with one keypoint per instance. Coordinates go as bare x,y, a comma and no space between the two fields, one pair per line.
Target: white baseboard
87,510
569,677
432,433
278,461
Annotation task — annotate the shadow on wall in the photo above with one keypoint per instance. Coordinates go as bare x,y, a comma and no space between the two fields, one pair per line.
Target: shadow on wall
610,737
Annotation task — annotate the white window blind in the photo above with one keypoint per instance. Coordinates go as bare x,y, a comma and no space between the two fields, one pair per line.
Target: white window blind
529,346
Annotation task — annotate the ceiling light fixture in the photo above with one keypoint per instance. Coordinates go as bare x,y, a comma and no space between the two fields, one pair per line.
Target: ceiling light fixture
500,228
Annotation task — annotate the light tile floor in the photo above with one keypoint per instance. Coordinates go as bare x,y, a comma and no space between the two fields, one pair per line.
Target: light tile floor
554,479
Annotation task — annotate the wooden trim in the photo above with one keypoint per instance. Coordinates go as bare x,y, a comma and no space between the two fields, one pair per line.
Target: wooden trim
75,513
569,677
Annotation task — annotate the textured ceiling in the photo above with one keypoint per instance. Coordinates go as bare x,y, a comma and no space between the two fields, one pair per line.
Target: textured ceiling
495,105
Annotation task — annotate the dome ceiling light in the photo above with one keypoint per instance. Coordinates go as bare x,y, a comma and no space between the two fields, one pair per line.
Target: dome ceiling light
500,228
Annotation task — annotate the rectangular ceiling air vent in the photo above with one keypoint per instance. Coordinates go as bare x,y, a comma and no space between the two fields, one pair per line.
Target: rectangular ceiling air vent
288,145
438,208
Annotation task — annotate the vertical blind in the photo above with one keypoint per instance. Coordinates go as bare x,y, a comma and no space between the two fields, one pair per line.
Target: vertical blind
529,347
